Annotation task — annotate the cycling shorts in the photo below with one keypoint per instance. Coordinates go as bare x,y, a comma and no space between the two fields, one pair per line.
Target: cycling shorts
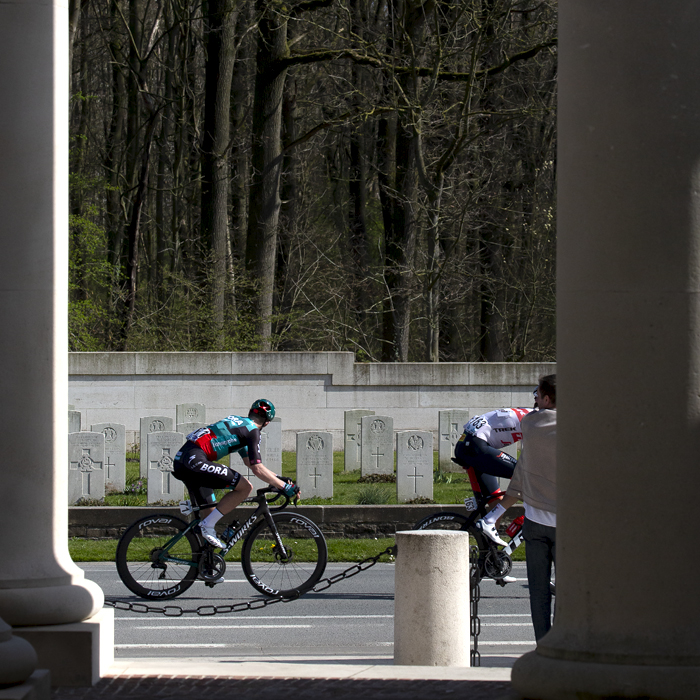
202,476
487,463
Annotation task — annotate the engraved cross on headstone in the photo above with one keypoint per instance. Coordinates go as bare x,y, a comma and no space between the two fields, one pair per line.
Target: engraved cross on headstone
165,466
415,476
377,454
315,476
453,434
85,465
108,465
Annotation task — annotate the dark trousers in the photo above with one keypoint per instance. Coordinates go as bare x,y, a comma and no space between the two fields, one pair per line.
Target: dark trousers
541,554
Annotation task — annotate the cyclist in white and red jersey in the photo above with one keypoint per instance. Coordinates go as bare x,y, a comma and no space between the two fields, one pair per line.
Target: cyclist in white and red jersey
196,466
480,451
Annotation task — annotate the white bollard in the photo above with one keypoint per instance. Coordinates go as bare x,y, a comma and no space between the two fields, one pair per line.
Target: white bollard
431,601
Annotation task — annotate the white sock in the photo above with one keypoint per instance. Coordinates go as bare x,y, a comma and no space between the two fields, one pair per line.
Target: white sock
495,514
212,518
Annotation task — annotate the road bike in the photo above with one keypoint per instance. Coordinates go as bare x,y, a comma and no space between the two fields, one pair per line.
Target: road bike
491,562
283,554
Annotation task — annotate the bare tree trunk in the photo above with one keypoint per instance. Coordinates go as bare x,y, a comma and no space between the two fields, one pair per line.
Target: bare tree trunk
261,248
220,36
134,231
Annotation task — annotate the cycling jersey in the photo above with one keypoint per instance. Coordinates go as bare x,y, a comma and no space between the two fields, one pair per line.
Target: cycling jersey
498,428
231,434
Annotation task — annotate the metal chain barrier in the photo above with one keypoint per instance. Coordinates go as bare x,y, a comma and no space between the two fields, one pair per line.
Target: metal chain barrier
475,596
254,604
322,585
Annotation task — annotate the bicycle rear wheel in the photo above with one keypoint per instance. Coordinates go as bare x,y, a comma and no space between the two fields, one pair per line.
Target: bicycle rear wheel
154,558
442,521
273,571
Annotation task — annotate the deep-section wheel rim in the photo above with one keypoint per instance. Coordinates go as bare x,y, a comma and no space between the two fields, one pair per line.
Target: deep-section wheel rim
147,568
273,573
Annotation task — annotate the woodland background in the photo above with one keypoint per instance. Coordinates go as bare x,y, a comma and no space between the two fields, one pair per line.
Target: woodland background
366,175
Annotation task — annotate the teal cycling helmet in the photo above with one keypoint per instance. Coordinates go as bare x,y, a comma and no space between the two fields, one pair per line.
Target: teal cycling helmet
262,408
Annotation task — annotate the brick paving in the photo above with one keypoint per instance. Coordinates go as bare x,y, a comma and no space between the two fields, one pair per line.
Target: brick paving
207,688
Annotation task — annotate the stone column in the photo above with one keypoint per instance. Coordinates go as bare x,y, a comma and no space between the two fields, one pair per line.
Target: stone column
39,584
628,356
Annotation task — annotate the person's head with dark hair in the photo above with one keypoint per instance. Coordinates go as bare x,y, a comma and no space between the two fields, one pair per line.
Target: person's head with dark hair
547,391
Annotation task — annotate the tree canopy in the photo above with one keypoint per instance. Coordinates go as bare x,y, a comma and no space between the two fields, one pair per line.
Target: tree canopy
366,175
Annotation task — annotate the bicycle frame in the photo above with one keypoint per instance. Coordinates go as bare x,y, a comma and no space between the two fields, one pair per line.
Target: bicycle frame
240,532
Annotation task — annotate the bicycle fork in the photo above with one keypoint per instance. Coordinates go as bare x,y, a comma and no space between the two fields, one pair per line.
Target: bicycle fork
281,553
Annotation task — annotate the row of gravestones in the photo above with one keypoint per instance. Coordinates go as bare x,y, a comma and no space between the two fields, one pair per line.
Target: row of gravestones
374,453
98,458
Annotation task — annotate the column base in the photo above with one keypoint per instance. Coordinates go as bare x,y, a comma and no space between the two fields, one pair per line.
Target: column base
50,605
76,654
36,687
538,677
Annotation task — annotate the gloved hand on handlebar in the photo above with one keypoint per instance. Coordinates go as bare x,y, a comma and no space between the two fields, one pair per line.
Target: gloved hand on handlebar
290,489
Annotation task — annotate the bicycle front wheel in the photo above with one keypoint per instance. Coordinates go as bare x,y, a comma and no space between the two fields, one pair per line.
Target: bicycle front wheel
295,566
156,558
442,521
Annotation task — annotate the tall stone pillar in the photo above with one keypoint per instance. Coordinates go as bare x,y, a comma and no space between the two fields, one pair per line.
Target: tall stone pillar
628,356
39,584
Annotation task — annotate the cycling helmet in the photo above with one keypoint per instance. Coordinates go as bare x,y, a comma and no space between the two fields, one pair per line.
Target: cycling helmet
262,408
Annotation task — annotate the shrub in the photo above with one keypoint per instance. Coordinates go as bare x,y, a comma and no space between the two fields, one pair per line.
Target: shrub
373,495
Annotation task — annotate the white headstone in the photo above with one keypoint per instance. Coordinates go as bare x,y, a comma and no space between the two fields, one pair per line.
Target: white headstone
414,465
377,445
315,464
151,424
187,428
161,448
75,421
115,454
353,438
273,451
86,475
450,427
190,413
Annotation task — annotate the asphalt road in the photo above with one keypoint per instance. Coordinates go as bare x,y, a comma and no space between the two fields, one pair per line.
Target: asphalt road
352,620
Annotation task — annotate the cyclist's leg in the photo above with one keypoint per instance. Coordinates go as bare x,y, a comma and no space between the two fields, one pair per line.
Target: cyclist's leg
236,496
488,460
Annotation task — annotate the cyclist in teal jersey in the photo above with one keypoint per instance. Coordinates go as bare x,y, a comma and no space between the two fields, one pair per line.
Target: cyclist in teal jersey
196,465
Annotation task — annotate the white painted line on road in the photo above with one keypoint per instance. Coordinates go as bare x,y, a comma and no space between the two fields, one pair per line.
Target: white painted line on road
215,646
507,644
232,580
171,646
223,627
286,617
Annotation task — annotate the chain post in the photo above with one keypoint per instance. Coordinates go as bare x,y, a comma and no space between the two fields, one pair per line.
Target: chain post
475,596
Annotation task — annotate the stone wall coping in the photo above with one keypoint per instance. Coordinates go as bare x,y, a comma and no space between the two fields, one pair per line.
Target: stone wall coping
339,366
123,516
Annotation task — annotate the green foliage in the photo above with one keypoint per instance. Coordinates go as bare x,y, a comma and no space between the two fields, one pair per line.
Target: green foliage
90,316
374,494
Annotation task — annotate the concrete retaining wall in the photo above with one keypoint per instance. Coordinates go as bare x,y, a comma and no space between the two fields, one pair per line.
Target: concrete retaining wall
334,521
311,390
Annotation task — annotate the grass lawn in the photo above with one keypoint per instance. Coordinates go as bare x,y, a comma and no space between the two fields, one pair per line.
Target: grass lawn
347,487
338,549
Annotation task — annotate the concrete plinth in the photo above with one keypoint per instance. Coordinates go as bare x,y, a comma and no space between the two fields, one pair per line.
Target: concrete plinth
628,355
36,687
76,654
431,608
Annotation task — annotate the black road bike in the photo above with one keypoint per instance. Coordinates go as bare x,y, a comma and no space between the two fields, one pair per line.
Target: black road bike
283,554
491,561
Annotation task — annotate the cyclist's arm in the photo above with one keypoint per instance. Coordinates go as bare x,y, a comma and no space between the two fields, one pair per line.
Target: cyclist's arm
263,473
